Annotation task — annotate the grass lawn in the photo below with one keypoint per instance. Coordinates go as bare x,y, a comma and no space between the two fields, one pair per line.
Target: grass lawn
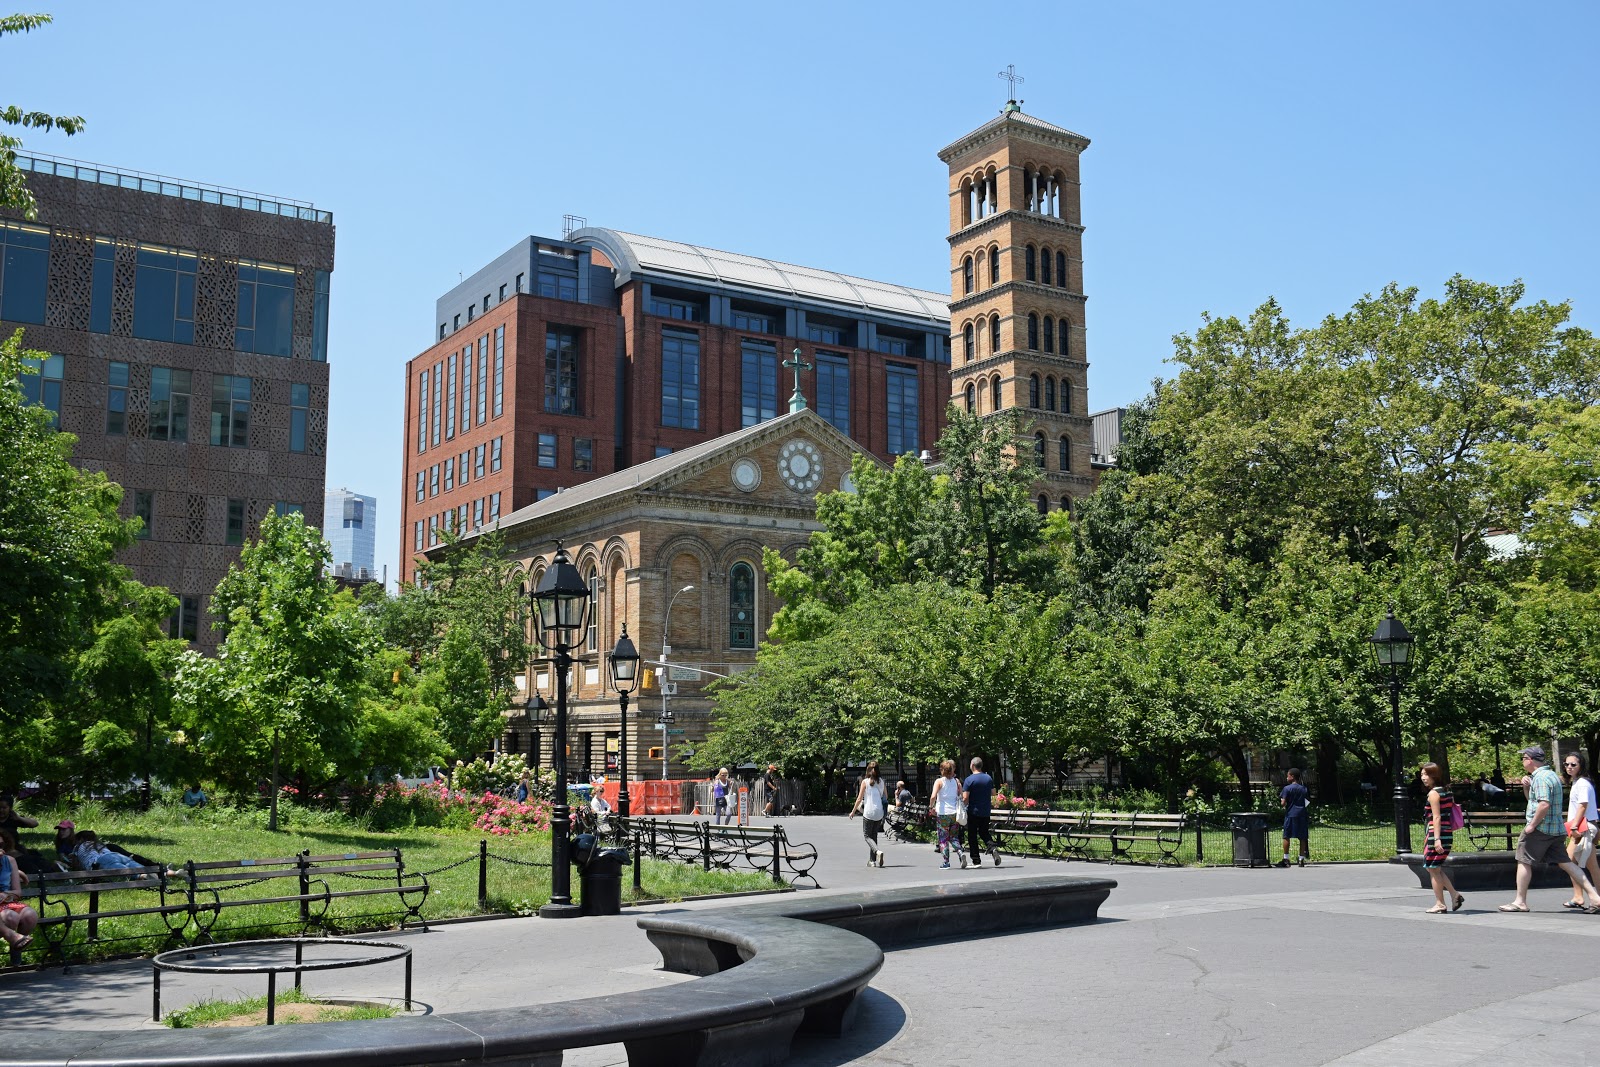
291,1006
173,836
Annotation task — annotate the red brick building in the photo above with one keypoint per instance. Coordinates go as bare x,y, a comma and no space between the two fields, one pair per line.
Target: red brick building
562,361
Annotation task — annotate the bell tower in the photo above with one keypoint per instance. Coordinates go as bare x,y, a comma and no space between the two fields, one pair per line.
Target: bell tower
1017,335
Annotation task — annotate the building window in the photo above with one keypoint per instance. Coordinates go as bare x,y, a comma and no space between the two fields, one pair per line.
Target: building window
1050,394
499,368
264,323
44,388
416,535
824,334
466,468
494,506
741,606
547,451
994,336
1033,390
1049,334
422,414
972,397
1044,266
1038,450
163,294
117,399
438,392
994,266
477,461
966,275
442,329
994,393
230,410
583,454
299,413
680,379
902,409
1030,263
169,404
102,285
494,454
833,390
467,385
433,480
184,622
519,283
502,299
281,508
1066,396
558,286
1064,336
967,342
1061,269
1033,332
477,507
758,383
24,271
450,474
472,309
433,530
1064,453
144,509
319,318
455,323
235,522
483,379
752,322
682,310
422,486
461,517
450,397
561,370
1044,504
894,346
593,582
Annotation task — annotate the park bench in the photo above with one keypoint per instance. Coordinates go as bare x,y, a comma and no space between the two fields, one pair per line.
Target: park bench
726,846
1493,829
52,894
210,878
1127,834
1036,831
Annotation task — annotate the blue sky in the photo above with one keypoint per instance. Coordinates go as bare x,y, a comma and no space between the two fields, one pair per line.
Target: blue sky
1307,152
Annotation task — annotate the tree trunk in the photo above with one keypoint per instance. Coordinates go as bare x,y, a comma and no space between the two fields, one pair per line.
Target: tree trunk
1234,755
1440,754
1328,783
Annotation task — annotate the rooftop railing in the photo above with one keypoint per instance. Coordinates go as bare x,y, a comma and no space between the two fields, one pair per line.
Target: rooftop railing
164,186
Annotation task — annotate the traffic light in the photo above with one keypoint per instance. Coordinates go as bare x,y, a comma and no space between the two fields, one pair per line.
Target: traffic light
655,752
649,680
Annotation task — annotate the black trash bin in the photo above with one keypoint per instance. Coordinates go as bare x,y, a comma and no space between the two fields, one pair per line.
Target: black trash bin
1249,839
602,881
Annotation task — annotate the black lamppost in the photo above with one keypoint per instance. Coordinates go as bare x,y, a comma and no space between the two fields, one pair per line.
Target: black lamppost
560,607
536,714
1391,645
624,678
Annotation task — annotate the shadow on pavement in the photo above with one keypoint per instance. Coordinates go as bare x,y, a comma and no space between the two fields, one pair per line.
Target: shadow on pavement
879,1019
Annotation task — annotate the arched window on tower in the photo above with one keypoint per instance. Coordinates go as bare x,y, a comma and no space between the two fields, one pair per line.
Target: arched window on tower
1061,269
1033,390
1066,334
1049,394
1044,266
1033,332
1066,396
1038,450
741,606
966,339
994,393
994,335
972,398
592,580
966,275
1029,263
1054,184
1049,334
966,202
1044,504
1066,504
1064,453
994,266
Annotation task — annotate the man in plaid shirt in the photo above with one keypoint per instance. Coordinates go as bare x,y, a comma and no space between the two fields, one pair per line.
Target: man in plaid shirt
1544,838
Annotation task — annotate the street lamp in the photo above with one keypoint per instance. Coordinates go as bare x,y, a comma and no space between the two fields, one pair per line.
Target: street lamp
666,716
560,607
624,679
1391,646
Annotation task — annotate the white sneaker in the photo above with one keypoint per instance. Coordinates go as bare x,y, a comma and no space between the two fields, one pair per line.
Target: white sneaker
880,857
963,858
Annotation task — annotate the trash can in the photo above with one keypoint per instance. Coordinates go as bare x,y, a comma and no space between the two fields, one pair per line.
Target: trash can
1249,839
602,881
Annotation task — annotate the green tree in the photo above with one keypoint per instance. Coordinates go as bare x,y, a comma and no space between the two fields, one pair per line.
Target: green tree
458,687
477,589
14,194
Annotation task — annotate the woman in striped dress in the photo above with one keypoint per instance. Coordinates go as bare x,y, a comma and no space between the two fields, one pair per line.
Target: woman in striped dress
1441,804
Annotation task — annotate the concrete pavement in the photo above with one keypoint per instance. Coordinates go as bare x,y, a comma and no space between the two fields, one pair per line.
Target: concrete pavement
1325,965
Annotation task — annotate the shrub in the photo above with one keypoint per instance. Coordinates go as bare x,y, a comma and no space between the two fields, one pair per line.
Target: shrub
500,777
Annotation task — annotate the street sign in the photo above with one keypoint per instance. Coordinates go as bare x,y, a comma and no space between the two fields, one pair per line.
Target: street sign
674,731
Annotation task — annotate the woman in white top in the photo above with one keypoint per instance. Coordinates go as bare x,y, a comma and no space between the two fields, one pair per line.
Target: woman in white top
872,801
943,805
1580,805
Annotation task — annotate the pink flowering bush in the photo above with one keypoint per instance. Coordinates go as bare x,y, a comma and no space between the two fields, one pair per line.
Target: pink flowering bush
504,818
395,806
1006,800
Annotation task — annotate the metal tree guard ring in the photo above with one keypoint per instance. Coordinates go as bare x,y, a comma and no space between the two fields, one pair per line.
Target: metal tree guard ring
165,962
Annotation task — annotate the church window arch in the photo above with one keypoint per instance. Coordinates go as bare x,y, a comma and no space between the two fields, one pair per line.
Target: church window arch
1033,332
1049,394
994,265
966,202
966,275
1033,390
1038,450
1049,334
1030,268
967,341
591,579
1044,504
741,606
1066,396
972,397
1061,269
1064,453
994,335
994,393
1044,266
1066,504
1066,334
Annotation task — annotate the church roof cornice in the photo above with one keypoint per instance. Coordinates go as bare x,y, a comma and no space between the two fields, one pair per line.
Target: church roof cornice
1017,125
1011,216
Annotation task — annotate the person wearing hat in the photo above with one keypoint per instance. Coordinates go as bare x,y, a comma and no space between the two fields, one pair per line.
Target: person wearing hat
1544,838
769,782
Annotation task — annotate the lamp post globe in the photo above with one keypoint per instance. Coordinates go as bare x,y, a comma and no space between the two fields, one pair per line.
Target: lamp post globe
560,610
1391,647
624,664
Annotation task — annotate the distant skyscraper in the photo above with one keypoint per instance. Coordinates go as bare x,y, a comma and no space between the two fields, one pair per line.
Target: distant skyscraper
348,522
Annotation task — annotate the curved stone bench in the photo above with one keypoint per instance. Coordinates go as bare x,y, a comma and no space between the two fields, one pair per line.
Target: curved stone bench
770,969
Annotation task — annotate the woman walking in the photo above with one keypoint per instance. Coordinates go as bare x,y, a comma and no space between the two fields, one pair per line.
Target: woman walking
1581,817
872,801
1440,818
719,797
943,805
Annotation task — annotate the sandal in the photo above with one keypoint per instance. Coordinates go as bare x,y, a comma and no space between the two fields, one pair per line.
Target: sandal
1438,909
1572,905
1513,907
1460,900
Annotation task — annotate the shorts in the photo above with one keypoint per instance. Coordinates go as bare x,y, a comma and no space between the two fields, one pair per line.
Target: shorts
1297,825
1582,846
1536,846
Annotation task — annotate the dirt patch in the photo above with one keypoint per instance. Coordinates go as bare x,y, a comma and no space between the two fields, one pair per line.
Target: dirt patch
287,1013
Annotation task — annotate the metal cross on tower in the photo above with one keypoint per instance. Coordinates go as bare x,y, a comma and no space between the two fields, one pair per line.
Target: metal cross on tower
1010,75
797,402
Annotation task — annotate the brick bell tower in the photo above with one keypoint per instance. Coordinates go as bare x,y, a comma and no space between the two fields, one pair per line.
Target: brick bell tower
1017,335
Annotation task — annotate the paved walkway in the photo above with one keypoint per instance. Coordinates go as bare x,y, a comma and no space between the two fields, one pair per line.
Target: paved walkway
1326,965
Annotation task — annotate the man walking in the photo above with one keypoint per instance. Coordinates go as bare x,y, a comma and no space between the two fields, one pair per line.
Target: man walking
1544,838
976,791
769,782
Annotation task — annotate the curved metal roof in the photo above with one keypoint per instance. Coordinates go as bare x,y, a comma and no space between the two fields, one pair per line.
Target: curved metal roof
633,254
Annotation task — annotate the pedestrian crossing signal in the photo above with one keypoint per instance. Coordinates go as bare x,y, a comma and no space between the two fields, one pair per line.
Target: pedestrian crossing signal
655,752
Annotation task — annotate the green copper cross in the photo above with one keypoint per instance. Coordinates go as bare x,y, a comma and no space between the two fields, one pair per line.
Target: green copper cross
797,402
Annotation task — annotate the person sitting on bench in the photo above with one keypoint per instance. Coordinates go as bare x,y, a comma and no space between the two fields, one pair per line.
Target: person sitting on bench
17,920
92,855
